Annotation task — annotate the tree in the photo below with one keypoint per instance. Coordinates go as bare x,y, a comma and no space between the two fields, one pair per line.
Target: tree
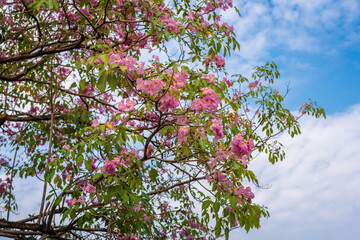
126,144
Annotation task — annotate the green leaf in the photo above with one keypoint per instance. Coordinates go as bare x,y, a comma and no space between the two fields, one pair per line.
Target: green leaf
227,233
216,207
217,228
36,4
104,58
52,4
153,174
102,82
102,128
149,106
186,69
233,201
82,85
112,81
206,204
202,144
57,201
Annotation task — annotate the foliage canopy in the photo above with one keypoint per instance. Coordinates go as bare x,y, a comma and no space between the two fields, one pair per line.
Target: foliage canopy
125,143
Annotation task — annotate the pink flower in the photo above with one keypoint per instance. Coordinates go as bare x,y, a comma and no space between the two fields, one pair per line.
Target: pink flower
95,123
213,162
240,147
89,188
137,207
218,60
140,70
209,7
217,129
150,87
209,101
181,120
209,77
109,167
114,58
182,136
81,200
70,202
219,175
229,83
67,147
150,150
146,218
305,104
253,84
168,102
208,91
126,105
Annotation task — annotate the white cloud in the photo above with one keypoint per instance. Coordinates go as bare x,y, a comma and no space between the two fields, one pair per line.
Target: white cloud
298,25
28,194
314,193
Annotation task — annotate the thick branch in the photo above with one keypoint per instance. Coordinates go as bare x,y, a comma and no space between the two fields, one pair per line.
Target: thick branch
29,118
41,52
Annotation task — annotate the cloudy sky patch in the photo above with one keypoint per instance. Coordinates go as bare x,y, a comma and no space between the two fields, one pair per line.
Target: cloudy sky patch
314,193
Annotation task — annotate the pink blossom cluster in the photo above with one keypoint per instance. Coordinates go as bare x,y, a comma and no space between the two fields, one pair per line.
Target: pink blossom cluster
89,188
95,122
227,81
163,209
111,166
151,87
305,104
182,136
228,28
240,147
137,207
168,102
216,175
181,78
210,78
128,237
3,162
4,185
217,129
210,7
194,224
244,193
303,108
254,84
225,4
119,58
209,101
181,120
226,185
213,162
186,233
73,201
126,105
123,160
218,60
150,150
171,24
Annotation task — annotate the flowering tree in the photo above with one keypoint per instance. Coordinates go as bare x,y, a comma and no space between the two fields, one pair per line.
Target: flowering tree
125,143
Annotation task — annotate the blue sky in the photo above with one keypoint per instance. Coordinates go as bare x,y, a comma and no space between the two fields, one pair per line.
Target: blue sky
314,43
314,193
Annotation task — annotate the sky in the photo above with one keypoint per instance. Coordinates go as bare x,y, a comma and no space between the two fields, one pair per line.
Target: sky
314,193
314,43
